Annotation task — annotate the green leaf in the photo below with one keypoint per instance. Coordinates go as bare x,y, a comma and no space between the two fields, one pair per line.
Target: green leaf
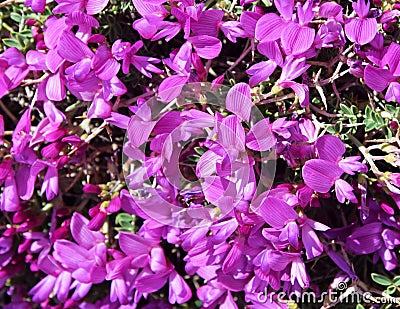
368,112
390,109
123,219
359,306
390,289
344,109
380,279
267,3
11,43
16,17
396,281
200,151
193,158
369,125
338,127
198,303
331,130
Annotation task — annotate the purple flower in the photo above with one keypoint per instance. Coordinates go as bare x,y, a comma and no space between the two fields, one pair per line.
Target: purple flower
296,37
373,238
36,5
380,78
92,7
361,29
13,68
320,174
141,63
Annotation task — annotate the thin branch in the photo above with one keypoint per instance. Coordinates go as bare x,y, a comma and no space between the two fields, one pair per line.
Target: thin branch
277,99
10,2
324,113
244,54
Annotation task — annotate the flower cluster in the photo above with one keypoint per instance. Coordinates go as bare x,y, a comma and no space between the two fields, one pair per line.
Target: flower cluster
133,176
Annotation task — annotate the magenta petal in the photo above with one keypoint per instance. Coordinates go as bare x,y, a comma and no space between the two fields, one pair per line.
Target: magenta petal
361,31
320,175
238,100
81,233
377,79
276,212
248,21
260,72
9,200
54,29
207,23
147,8
270,49
149,283
340,262
269,27
330,148
311,242
301,91
179,290
55,89
139,131
206,47
285,7
344,191
42,290
297,39
393,92
73,49
171,87
366,239
260,136
134,245
231,134
103,63
70,254
392,58
53,60
62,285
95,6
